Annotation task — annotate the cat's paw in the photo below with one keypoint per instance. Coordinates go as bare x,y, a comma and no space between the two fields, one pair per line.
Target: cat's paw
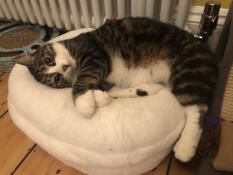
101,98
85,104
184,149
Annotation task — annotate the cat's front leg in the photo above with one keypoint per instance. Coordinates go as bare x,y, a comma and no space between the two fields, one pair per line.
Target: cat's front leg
85,104
87,96
83,96
101,95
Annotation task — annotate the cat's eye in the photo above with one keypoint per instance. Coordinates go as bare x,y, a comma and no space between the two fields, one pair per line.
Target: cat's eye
49,61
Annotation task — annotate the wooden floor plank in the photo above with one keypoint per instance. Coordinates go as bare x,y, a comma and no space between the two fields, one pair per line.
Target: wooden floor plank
177,168
3,93
14,145
40,163
3,108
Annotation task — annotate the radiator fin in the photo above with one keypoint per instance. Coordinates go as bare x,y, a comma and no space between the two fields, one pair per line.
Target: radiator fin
29,11
12,9
65,14
21,10
121,6
85,13
56,13
46,12
37,11
5,9
75,13
108,8
96,13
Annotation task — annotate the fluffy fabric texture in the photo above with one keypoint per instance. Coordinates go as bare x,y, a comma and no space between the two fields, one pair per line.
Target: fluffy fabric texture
128,137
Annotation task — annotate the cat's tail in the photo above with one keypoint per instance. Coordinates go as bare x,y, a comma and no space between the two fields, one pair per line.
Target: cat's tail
193,79
193,88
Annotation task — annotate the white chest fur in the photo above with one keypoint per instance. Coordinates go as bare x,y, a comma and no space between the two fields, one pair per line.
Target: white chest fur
126,77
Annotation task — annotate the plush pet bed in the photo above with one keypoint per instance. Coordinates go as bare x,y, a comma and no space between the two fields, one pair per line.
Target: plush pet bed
128,137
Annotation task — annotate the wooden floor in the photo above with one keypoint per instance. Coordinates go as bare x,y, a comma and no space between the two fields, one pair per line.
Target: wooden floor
21,156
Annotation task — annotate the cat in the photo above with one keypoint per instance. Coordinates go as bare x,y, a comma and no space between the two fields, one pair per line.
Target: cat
132,53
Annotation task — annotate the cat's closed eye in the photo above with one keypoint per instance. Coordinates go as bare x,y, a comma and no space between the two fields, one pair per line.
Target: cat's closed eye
49,61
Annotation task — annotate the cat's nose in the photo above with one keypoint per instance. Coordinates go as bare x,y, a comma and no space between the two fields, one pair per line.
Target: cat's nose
65,67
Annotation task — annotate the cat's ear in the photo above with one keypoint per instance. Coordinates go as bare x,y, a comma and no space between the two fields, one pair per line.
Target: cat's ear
26,60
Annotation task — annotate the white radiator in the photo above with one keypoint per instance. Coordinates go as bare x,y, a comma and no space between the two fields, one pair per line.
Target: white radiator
74,14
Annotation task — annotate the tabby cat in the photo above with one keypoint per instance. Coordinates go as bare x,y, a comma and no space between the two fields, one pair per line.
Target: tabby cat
128,53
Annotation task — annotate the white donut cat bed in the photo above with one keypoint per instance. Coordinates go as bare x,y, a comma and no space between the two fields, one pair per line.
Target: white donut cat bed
128,137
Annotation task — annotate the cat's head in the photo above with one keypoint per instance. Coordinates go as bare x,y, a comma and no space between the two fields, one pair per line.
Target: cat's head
51,64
